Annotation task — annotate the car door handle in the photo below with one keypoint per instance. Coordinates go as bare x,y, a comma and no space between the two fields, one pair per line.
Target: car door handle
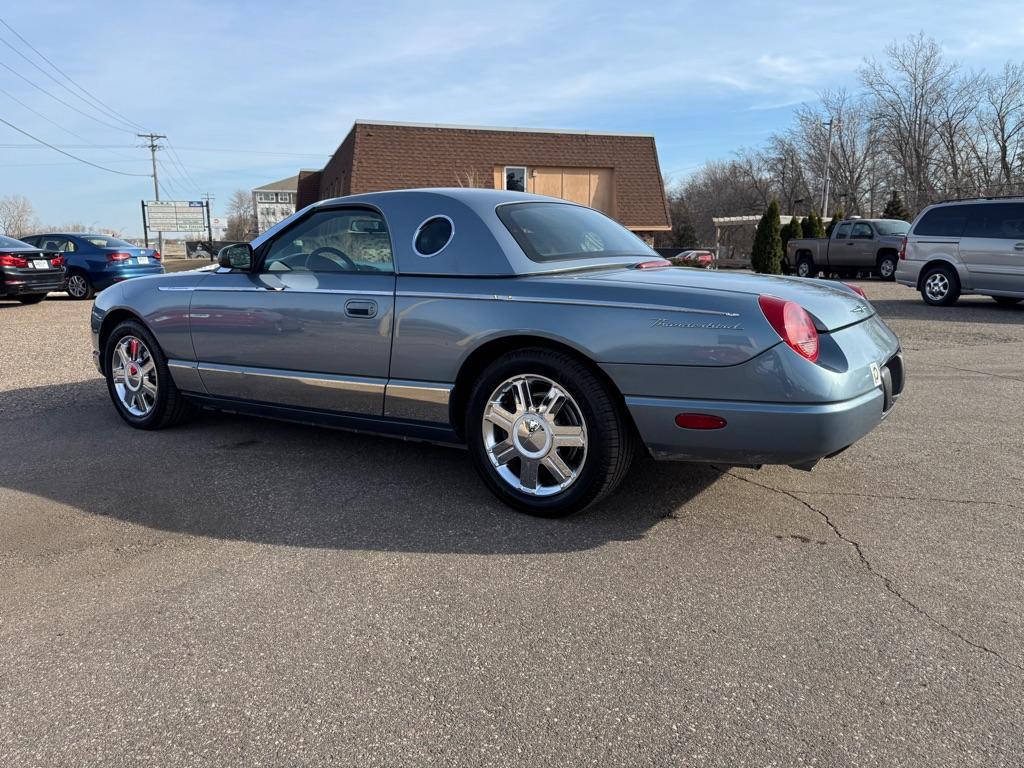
360,308
1019,247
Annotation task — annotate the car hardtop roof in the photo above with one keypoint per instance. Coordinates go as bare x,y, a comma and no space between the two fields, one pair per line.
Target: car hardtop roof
473,197
969,200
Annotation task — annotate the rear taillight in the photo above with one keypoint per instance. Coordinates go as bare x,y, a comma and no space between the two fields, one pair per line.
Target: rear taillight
654,264
10,260
903,248
119,256
157,256
57,261
856,289
793,325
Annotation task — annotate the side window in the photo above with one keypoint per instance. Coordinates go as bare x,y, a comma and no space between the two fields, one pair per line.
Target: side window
338,240
55,244
944,221
862,231
843,232
1004,221
30,240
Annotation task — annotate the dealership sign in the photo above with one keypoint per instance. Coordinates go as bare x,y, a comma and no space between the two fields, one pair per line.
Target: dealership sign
175,216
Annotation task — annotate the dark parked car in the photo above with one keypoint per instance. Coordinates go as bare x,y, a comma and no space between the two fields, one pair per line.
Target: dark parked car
95,262
27,273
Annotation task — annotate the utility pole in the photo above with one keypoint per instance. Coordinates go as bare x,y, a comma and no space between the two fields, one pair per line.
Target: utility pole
208,198
828,173
153,147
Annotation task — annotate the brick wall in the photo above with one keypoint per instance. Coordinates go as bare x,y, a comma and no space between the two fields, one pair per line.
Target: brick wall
380,157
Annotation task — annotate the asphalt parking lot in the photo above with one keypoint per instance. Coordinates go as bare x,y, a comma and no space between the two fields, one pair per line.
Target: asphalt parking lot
245,592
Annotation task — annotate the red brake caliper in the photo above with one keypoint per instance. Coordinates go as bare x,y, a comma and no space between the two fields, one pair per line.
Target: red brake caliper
133,348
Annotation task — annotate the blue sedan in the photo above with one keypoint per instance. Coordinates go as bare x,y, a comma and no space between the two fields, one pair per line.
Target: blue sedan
94,262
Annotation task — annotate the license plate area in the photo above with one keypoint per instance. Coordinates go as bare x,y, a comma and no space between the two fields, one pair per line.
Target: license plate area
143,259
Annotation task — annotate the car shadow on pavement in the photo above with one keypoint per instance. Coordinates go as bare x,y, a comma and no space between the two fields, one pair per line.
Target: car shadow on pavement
242,478
973,309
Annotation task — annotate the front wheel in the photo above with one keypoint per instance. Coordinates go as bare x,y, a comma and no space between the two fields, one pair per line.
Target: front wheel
805,267
32,298
139,381
887,267
546,435
940,286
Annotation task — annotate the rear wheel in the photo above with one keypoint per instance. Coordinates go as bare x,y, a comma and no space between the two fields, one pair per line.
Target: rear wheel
940,286
887,267
79,286
546,435
139,381
32,298
1006,301
805,267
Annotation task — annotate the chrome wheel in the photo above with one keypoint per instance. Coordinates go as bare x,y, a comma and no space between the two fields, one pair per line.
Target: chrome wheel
77,287
936,286
803,269
133,371
534,435
887,268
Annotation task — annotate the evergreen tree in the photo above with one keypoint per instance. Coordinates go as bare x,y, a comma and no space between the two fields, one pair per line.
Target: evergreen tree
836,218
812,226
766,255
895,209
795,230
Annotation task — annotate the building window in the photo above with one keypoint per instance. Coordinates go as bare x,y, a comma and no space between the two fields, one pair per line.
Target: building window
265,197
283,197
515,178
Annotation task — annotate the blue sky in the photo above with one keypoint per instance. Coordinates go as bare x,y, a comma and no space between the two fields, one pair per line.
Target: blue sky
273,86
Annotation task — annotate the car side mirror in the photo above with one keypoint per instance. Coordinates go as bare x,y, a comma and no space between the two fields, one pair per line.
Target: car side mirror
237,256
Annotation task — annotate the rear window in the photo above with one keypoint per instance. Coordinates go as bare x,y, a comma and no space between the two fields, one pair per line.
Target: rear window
1003,221
10,242
892,227
559,231
102,241
944,221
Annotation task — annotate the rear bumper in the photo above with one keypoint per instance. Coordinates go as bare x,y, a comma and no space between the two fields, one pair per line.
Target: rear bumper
765,433
22,282
908,271
107,278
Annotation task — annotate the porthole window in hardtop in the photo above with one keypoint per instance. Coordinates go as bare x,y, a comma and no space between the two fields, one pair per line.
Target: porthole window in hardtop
433,235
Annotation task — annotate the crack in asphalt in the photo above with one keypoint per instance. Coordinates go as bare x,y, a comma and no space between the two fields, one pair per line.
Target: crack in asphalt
886,581
970,370
939,499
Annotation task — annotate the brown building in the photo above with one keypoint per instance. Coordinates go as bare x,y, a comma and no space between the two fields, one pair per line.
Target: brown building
613,172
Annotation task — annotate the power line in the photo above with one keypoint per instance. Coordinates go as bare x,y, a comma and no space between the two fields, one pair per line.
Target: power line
68,77
16,73
68,154
68,131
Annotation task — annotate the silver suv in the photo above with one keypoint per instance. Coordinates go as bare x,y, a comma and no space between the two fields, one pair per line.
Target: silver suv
967,246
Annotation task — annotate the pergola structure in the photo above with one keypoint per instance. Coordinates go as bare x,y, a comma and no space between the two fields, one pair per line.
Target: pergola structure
731,226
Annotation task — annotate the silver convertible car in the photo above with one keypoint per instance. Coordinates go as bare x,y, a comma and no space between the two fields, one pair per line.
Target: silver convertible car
540,334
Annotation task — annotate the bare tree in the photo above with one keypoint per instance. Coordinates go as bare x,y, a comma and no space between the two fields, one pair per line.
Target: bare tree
241,216
907,91
17,216
1005,121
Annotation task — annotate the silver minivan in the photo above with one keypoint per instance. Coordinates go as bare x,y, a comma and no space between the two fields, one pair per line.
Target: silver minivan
967,246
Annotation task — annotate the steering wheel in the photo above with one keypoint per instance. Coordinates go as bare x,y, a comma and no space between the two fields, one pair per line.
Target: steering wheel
340,254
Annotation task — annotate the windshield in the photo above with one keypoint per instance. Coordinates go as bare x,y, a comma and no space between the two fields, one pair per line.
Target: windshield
558,231
103,241
892,227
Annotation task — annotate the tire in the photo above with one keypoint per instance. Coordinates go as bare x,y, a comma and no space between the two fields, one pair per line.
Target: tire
79,286
887,267
940,286
1006,301
805,267
32,298
147,398
598,438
